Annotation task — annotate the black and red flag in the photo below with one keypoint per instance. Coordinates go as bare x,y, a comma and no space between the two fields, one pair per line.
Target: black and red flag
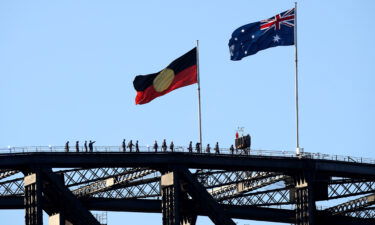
179,73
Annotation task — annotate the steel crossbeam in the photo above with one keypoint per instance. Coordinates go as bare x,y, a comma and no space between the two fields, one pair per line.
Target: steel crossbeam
112,182
12,187
138,190
367,213
235,190
347,187
280,196
353,205
220,178
7,173
83,176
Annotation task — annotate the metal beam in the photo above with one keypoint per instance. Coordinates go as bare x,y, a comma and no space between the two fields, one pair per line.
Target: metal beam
160,160
353,205
111,182
201,196
33,199
7,173
65,201
238,212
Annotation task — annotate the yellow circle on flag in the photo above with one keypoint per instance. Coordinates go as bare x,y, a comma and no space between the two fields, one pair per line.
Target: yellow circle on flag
163,80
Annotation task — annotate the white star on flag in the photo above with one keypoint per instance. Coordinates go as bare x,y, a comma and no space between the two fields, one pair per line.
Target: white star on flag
276,38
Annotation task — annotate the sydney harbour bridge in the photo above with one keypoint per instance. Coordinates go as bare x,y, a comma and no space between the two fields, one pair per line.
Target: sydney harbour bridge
274,186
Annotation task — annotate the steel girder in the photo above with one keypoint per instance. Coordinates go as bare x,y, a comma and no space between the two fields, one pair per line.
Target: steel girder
111,182
12,187
350,187
59,199
203,161
355,207
200,195
33,199
7,173
235,190
139,183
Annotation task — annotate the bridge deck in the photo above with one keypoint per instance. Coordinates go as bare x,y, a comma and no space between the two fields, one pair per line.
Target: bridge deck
257,160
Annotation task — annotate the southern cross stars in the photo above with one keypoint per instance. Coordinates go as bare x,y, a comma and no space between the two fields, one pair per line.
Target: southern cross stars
276,38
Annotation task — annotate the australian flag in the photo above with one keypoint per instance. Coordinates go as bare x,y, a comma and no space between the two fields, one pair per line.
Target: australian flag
251,38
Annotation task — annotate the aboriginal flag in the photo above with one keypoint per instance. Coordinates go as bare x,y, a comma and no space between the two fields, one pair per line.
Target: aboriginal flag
181,72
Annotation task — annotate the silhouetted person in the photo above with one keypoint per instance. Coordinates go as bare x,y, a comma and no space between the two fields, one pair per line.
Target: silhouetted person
156,146
164,146
91,145
130,145
136,146
67,146
217,149
208,149
85,146
198,147
123,146
190,148
171,147
77,146
231,149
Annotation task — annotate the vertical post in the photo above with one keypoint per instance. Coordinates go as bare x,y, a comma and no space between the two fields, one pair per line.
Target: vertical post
298,150
305,199
33,199
199,98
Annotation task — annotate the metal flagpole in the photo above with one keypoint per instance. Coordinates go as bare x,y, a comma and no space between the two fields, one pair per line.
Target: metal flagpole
298,150
199,98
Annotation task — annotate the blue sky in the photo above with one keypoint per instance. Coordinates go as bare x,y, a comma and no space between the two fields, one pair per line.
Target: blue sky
66,70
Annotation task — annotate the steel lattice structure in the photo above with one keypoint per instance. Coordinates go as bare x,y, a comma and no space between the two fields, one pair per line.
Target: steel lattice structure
262,185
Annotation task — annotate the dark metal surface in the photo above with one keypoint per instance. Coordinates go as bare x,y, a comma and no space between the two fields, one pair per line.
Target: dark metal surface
219,186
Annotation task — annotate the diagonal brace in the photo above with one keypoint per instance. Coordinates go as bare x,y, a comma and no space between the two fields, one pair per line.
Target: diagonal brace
200,195
72,207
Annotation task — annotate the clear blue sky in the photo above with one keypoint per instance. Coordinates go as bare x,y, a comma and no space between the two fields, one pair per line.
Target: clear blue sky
67,67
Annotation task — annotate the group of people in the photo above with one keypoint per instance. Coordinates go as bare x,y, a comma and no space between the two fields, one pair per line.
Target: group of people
164,148
87,148
130,146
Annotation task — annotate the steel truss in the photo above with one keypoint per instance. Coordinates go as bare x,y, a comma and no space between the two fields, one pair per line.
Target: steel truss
355,208
181,194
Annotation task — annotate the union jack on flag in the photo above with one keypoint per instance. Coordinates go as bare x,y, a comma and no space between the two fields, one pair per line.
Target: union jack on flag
285,18
251,38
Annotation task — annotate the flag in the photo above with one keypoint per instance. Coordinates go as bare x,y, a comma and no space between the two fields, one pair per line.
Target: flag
179,73
251,38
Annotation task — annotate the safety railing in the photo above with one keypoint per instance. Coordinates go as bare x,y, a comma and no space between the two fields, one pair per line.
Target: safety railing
222,151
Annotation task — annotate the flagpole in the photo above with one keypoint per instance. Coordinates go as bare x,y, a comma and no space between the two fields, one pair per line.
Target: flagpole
199,99
298,150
